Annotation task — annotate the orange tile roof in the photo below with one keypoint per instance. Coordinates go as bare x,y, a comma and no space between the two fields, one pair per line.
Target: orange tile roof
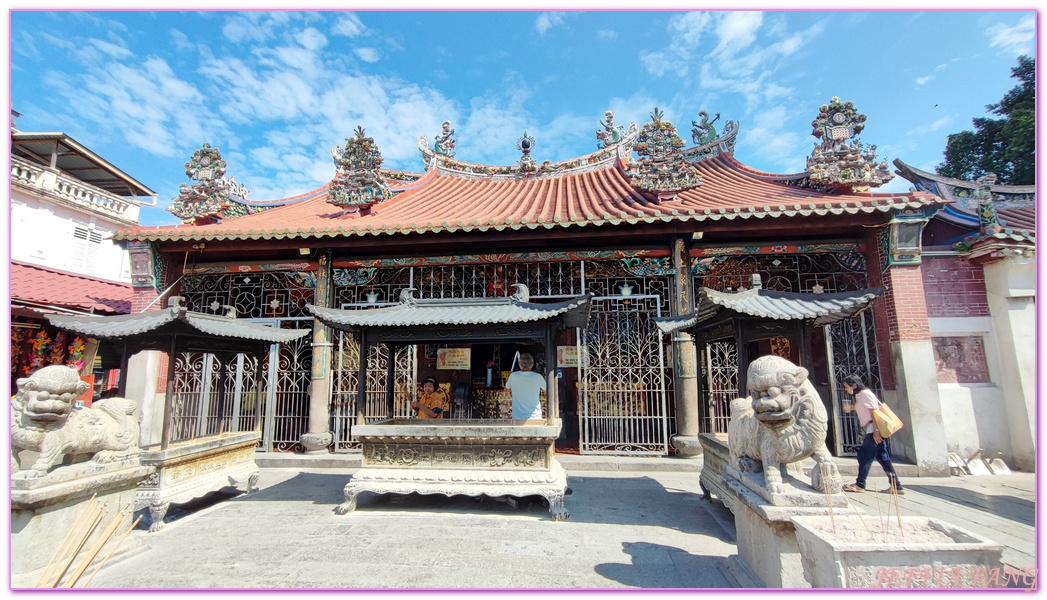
40,285
441,201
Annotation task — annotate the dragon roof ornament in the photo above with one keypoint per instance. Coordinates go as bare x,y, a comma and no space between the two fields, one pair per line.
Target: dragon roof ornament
358,181
206,200
612,134
841,161
662,169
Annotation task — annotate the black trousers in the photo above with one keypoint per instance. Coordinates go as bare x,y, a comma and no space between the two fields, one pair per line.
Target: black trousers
870,451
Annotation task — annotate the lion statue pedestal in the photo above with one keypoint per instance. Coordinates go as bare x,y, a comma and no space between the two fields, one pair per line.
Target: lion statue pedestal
781,423
47,496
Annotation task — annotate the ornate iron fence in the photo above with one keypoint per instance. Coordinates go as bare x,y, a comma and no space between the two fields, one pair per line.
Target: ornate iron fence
622,384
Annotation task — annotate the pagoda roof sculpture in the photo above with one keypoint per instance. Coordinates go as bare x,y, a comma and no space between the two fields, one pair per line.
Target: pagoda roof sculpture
841,162
358,182
206,200
605,188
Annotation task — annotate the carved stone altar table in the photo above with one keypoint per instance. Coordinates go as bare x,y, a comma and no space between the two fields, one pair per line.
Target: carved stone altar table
190,469
460,456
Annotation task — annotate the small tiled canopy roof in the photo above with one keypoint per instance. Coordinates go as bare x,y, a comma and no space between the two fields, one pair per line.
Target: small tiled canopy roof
43,287
456,311
440,202
174,320
822,309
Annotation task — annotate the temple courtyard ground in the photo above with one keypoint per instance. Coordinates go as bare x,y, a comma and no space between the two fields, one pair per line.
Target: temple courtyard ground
635,523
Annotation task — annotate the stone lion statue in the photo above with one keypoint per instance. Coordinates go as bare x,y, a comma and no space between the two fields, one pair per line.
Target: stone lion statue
782,421
43,418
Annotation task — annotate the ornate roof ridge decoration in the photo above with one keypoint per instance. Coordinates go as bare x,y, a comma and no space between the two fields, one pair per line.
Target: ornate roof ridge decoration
964,192
612,134
709,145
446,164
358,183
1006,241
206,200
662,169
836,164
526,165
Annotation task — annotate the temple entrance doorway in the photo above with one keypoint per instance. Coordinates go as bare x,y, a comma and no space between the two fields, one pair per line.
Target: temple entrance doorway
622,400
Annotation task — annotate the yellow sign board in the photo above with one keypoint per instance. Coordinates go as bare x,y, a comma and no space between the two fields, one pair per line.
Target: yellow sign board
567,356
453,359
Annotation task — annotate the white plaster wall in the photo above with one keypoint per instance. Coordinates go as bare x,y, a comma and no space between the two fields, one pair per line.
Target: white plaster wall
975,417
42,234
917,402
975,414
1010,284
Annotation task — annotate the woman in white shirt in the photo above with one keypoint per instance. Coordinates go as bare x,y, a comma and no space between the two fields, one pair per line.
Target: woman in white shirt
873,446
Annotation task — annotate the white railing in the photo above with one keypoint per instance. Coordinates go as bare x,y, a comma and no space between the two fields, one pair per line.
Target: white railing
24,172
72,190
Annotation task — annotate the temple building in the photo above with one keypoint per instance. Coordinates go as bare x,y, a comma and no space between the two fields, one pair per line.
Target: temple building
811,266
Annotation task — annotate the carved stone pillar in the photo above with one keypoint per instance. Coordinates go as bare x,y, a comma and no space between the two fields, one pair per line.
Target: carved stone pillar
685,362
318,438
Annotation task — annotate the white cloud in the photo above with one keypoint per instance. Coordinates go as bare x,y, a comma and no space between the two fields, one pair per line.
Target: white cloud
1017,40
737,31
157,111
254,26
687,29
548,20
606,34
311,39
348,25
930,127
369,55
685,32
767,138
940,68
109,49
181,41
924,80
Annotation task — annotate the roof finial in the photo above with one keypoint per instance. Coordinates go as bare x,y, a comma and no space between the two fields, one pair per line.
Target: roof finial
525,145
204,201
357,179
836,163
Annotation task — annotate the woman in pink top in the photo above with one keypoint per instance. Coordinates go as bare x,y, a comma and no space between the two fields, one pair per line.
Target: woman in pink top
873,446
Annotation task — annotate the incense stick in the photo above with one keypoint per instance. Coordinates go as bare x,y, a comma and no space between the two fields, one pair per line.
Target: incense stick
111,552
94,550
78,532
76,550
76,523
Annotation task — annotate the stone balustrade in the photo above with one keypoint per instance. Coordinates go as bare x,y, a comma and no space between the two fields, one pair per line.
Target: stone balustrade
73,191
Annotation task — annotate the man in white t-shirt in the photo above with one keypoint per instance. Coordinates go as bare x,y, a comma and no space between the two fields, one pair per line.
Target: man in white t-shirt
525,386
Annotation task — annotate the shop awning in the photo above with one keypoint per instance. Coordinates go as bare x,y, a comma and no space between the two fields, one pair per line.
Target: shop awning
821,309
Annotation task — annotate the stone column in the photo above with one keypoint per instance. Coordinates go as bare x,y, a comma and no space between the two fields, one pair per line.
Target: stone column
1010,288
318,438
685,362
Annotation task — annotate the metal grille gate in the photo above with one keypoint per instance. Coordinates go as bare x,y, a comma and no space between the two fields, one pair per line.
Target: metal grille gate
212,397
622,382
851,350
346,371
720,372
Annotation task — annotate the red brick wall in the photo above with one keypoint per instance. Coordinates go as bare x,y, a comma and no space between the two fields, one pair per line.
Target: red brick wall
955,288
906,303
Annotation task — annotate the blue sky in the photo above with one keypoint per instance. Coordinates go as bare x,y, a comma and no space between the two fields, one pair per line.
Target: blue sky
276,90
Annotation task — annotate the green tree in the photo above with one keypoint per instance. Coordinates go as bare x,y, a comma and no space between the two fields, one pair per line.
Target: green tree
1003,146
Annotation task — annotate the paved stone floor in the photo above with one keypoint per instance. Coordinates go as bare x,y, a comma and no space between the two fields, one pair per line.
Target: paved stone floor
628,529
644,530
